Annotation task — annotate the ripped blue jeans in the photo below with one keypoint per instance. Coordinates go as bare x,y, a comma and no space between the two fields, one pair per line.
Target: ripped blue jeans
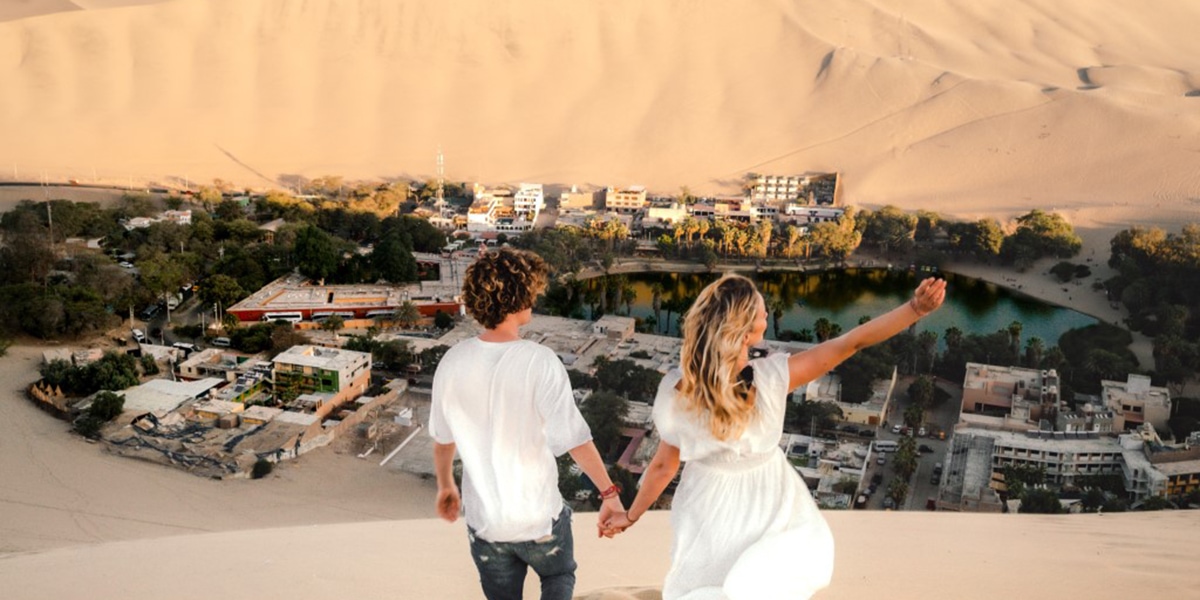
503,565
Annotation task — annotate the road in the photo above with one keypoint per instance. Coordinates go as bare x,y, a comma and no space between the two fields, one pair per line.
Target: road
942,418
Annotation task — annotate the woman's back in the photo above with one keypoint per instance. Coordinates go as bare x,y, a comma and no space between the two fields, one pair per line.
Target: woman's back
689,431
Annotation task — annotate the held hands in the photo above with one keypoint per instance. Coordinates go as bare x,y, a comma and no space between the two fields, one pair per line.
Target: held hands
617,524
448,503
929,296
610,509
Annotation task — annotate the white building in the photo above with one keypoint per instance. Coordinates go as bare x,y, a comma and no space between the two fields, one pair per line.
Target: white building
1135,401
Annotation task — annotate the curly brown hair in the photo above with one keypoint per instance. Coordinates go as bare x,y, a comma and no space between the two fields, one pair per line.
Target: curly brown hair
503,282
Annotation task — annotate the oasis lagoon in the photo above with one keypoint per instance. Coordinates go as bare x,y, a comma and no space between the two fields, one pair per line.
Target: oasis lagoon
843,297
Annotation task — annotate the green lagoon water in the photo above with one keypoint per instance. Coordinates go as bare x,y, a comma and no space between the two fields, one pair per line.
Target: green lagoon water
972,305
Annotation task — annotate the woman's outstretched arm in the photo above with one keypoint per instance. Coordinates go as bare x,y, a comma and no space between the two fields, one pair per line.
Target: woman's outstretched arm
806,366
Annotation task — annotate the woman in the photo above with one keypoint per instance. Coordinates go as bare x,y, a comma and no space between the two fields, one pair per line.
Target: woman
744,523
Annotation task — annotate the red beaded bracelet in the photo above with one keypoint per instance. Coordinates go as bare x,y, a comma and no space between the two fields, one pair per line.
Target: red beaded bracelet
611,492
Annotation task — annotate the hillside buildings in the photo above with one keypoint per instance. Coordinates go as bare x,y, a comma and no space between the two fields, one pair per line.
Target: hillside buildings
1015,417
505,209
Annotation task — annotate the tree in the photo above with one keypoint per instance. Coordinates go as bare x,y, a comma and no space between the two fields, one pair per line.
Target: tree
605,413
443,320
920,391
393,257
221,290
898,490
627,378
1155,503
262,468
927,340
333,324
316,253
906,458
823,328
1040,501
408,315
106,406
1014,331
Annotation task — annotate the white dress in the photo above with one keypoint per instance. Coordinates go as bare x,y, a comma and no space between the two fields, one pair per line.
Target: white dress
744,524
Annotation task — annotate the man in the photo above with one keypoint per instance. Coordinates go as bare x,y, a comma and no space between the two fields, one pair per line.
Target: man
505,405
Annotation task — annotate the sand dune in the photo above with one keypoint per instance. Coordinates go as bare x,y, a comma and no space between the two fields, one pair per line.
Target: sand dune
901,556
990,106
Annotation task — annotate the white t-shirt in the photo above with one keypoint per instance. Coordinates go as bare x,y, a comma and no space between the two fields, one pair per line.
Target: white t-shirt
509,410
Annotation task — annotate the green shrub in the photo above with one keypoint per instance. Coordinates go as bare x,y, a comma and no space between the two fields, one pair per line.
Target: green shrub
262,468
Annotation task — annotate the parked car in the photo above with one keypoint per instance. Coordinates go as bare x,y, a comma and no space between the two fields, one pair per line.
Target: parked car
150,312
125,264
882,460
870,433
139,336
921,432
923,449
896,428
877,479
888,503
221,342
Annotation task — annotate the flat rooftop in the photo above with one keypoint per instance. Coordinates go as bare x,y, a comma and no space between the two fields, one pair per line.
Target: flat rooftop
295,292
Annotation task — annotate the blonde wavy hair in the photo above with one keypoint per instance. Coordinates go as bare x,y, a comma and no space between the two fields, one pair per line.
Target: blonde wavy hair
714,332
501,283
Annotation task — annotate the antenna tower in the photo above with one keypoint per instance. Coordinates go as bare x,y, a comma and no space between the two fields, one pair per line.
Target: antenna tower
441,175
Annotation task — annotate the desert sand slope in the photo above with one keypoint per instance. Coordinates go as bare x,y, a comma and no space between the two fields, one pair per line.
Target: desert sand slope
880,555
56,490
993,105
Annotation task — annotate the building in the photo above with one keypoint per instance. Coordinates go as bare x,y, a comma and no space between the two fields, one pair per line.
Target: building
665,214
1014,398
576,200
1134,402
874,411
294,298
769,188
343,374
967,484
164,395
626,200
214,362
614,327
504,210
819,189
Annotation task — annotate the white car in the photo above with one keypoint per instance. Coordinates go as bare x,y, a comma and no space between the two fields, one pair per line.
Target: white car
896,428
139,336
125,264
921,432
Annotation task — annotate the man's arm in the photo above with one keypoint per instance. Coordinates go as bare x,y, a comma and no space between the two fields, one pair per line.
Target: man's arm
448,501
588,458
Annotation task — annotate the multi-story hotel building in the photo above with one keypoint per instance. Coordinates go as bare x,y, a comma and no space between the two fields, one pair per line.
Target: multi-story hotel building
627,200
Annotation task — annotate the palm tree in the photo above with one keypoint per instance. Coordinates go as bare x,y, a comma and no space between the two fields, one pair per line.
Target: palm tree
928,342
407,314
628,295
1014,331
656,294
702,227
954,339
823,328
777,305
1034,348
